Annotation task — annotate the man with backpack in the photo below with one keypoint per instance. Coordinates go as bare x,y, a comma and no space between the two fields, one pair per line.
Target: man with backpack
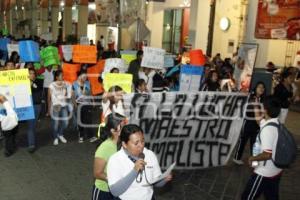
274,150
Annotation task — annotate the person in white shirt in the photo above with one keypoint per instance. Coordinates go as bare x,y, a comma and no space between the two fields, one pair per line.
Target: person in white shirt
9,124
133,169
58,95
147,74
266,176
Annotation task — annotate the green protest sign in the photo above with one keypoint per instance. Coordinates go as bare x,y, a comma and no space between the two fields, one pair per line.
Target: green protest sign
50,56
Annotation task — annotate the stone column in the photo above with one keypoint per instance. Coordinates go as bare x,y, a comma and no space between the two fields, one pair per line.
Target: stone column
83,13
199,24
54,19
34,14
67,19
44,16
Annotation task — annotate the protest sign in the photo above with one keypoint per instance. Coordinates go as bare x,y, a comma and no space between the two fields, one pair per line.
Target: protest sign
70,72
169,61
11,48
67,52
84,54
195,130
153,58
15,86
93,76
84,40
115,63
128,56
122,80
29,51
50,56
190,78
244,66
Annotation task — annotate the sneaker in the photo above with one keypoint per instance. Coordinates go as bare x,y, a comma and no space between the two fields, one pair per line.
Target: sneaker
31,149
93,139
62,139
238,162
55,142
80,140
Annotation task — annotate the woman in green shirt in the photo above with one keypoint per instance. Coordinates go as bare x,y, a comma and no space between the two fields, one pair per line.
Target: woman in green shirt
111,131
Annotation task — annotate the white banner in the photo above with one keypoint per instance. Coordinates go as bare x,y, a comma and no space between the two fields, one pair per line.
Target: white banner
153,58
84,40
67,51
195,130
11,48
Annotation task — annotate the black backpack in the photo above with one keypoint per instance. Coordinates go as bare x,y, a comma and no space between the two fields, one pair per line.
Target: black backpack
286,147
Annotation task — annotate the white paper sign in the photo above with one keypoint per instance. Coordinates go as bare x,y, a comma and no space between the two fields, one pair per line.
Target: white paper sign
153,58
11,48
84,40
67,51
115,63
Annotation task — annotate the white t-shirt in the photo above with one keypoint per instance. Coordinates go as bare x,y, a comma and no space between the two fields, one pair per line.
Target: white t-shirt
117,108
60,93
119,165
148,79
48,78
269,137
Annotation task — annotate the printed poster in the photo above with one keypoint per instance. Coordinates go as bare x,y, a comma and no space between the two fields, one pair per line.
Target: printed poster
279,19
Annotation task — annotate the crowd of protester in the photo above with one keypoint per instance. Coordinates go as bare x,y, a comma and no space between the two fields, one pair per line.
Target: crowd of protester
53,96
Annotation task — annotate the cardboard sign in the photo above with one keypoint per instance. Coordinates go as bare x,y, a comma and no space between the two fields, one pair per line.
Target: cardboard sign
84,54
122,80
67,52
29,51
196,130
153,58
128,56
115,63
11,48
15,86
190,78
93,76
70,72
50,56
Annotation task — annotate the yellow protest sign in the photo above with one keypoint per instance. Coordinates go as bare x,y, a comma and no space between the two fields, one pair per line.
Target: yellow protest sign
15,86
128,58
122,80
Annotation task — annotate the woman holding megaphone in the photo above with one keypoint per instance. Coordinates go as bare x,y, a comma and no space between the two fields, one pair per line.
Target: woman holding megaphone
132,170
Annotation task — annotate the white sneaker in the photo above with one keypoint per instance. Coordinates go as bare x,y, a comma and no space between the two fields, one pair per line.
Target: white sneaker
55,142
238,162
80,140
93,139
62,139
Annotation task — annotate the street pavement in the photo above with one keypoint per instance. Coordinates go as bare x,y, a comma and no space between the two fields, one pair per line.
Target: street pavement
64,172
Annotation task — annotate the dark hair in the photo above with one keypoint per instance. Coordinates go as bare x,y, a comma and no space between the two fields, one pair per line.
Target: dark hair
259,83
32,69
285,75
128,130
272,106
139,82
113,69
139,53
57,73
113,120
115,88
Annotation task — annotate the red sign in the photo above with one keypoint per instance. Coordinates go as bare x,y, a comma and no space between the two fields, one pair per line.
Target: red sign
278,20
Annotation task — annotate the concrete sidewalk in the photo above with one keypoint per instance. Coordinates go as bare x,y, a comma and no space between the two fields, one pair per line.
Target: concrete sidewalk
64,172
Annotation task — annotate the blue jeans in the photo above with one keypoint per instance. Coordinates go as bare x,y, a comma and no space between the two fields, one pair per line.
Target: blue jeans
60,121
32,126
